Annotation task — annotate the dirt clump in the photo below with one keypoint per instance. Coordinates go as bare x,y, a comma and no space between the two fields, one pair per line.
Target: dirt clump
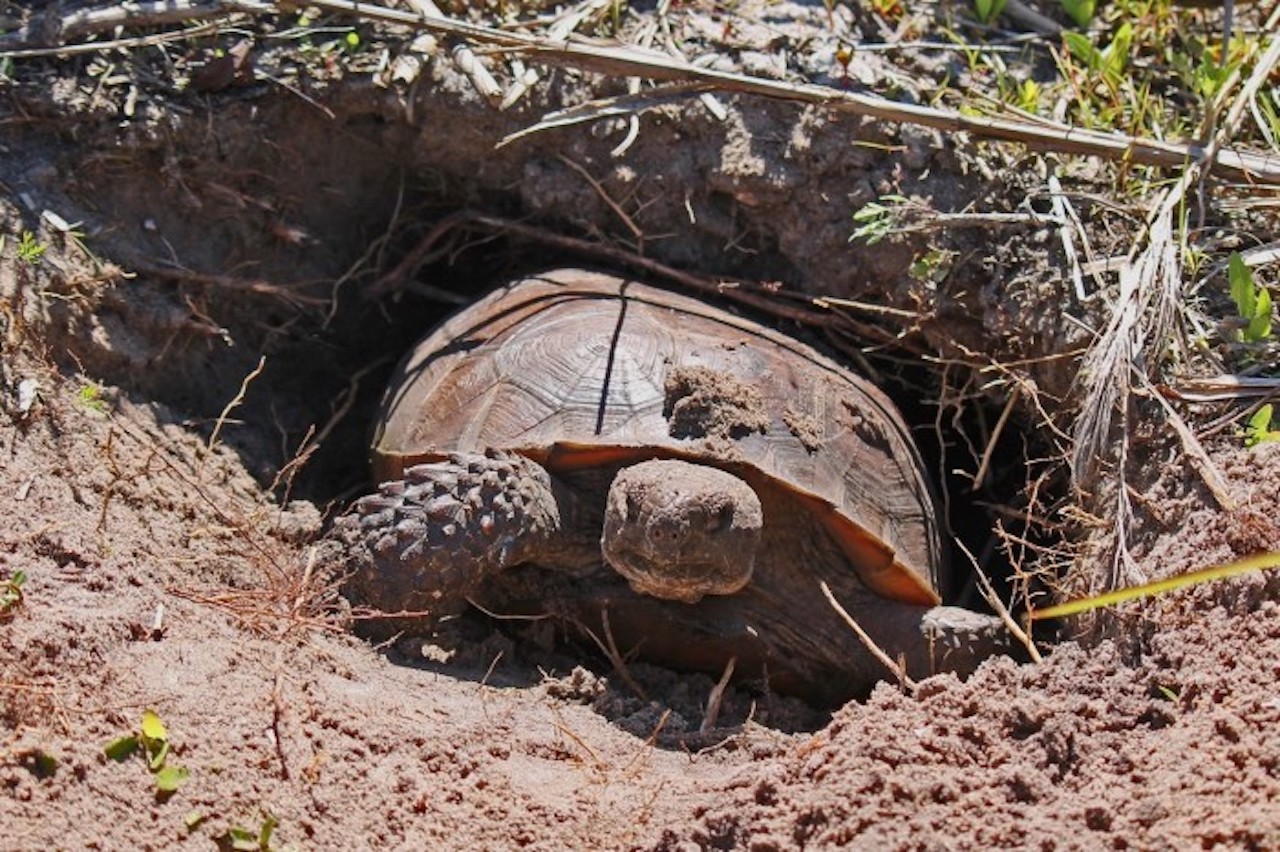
706,403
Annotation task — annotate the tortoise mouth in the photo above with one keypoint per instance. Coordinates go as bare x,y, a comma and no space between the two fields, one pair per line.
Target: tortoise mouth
687,581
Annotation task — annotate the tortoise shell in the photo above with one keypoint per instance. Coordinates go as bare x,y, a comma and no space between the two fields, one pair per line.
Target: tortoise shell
578,369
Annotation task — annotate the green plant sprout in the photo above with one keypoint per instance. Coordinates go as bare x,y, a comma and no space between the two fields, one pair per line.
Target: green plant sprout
1108,62
1258,430
1210,75
988,10
30,250
247,840
877,219
1267,113
11,593
1252,302
90,398
933,266
152,741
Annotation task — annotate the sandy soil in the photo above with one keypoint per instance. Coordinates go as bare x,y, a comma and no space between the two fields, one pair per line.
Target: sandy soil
114,515
166,557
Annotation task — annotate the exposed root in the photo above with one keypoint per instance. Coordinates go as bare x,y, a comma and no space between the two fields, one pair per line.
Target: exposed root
845,332
231,406
293,295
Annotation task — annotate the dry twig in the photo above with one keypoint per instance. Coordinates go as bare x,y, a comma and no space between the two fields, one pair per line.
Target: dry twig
907,684
716,696
609,647
989,594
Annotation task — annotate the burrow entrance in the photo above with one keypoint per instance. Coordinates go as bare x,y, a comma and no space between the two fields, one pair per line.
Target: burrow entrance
262,227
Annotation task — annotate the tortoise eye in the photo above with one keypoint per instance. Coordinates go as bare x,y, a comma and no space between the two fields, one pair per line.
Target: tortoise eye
722,519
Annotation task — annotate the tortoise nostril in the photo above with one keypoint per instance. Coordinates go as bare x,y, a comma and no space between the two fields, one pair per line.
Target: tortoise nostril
668,530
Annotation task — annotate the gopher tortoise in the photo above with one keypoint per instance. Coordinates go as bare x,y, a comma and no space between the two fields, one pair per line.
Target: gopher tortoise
629,460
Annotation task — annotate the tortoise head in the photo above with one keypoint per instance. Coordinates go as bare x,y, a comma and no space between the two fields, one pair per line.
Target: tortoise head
679,531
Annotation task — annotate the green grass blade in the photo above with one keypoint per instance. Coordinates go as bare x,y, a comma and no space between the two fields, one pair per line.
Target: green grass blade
1258,562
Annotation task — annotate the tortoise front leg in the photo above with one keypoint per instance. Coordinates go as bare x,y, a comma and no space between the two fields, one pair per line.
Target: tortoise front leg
423,544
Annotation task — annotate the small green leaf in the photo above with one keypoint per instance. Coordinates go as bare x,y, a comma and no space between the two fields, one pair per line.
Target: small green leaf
170,778
30,249
120,749
1115,58
1029,95
1080,11
1252,302
1242,290
193,819
42,764
988,10
1259,327
242,839
268,828
1258,430
90,397
1082,49
152,727
158,755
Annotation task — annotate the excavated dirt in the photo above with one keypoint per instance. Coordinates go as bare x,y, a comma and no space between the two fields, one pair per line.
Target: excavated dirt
234,241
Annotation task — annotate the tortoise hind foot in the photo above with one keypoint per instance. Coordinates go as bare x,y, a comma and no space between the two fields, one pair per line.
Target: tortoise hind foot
920,641
950,639
424,543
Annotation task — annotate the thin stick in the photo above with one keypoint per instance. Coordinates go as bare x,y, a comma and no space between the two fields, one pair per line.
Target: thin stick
715,698
995,435
1195,452
604,196
1225,388
278,712
992,598
647,747
907,684
610,650
484,681
564,729
49,28
114,44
